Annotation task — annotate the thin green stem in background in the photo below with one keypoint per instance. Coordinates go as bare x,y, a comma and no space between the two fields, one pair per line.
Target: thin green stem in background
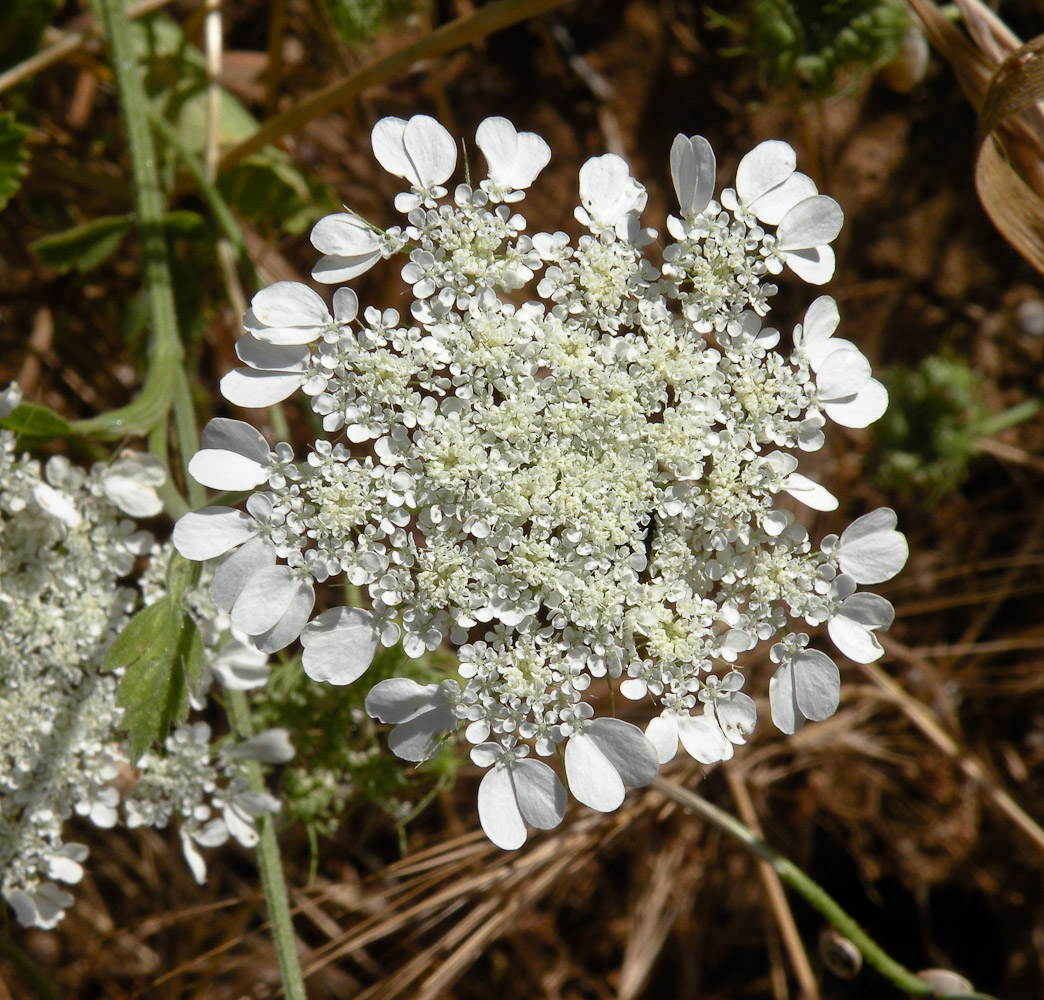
813,893
164,353
268,860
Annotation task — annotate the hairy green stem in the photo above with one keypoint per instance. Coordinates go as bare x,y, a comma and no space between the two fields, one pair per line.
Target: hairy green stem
268,860
165,354
813,893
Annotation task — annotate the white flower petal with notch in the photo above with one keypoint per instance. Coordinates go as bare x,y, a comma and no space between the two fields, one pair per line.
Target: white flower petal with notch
233,456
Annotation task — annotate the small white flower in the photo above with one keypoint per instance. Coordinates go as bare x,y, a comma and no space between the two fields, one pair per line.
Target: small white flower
418,712
272,746
42,907
514,792
419,150
855,619
514,158
291,313
870,549
131,481
807,685
693,169
232,456
610,196
604,757
350,247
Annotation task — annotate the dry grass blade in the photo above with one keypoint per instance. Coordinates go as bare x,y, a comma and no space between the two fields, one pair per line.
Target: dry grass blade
67,45
461,31
775,896
923,718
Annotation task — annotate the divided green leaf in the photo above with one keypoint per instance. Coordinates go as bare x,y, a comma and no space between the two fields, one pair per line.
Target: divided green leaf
161,654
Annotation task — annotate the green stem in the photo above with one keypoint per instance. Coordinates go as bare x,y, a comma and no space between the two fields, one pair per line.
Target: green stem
811,892
188,438
219,208
268,861
165,354
173,501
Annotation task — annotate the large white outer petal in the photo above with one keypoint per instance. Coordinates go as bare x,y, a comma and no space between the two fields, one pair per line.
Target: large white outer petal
239,569
767,165
540,795
212,531
592,778
813,222
233,456
498,810
344,235
431,150
289,303
250,388
339,645
514,158
703,739
860,410
870,549
264,599
388,148
292,620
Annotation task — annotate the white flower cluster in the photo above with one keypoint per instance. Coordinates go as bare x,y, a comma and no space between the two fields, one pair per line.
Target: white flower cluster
64,550
578,486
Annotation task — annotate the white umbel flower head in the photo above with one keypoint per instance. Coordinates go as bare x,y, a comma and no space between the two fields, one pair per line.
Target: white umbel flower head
572,460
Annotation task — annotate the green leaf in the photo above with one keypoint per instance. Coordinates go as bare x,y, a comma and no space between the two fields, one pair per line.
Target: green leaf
84,247
161,654
182,222
34,421
13,157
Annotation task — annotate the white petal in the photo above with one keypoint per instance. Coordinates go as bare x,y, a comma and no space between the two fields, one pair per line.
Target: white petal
817,684
264,599
540,795
763,168
345,305
250,388
498,810
775,203
290,623
821,321
10,399
813,222
809,493
399,699
662,732
871,550
860,410
332,270
56,503
816,265
131,481
415,739
693,170
592,778
267,356
388,148
782,701
498,140
234,456
339,645
843,373
608,192
273,746
703,739
737,717
212,531
239,667
852,639
289,304
239,569
193,858
345,235
627,748
431,150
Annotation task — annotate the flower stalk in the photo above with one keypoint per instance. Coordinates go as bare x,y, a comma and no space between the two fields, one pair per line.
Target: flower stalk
813,893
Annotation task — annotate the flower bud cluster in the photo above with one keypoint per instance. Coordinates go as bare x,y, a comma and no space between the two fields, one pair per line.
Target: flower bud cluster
66,553
579,486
